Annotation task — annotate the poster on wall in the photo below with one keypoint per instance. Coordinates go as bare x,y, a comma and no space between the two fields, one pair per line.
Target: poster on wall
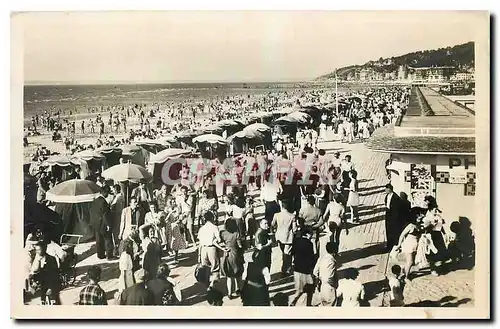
422,183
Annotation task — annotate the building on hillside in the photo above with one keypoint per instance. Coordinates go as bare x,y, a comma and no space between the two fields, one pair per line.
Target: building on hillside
351,76
462,76
390,76
433,74
433,155
402,72
364,75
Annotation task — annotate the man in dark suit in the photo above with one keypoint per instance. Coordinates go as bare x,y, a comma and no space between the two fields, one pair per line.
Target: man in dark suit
101,222
392,204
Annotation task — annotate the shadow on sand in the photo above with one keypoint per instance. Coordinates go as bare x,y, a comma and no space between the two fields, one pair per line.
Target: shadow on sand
447,301
360,253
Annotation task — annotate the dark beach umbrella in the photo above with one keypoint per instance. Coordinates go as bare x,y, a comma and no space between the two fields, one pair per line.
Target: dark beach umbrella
294,118
246,134
187,137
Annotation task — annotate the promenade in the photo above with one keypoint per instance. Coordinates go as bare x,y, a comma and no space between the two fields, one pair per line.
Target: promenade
363,248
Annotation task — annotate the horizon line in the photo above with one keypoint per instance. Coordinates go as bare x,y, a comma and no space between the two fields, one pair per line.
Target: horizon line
130,82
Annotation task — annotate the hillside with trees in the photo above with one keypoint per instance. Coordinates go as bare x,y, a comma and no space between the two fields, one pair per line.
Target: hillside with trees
459,56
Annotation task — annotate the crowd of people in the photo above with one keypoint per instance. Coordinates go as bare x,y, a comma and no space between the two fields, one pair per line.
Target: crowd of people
217,216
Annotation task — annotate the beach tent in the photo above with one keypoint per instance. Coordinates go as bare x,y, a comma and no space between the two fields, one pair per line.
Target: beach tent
39,216
112,155
261,117
245,139
150,145
75,219
315,113
89,161
168,141
258,126
157,163
186,138
231,126
135,154
209,139
211,146
294,119
60,166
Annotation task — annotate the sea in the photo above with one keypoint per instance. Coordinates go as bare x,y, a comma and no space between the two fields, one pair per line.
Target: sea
78,98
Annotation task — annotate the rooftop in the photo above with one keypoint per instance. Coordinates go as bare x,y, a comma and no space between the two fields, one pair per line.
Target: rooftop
383,140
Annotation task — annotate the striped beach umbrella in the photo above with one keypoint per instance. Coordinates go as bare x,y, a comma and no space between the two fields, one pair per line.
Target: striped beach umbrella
74,191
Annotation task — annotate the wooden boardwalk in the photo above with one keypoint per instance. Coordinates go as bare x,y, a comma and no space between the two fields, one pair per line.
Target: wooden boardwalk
364,247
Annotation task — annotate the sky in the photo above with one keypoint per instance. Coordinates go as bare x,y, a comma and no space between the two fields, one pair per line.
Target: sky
223,46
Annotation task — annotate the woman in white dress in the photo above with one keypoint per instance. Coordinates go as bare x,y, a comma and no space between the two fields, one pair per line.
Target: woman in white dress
363,130
125,264
334,214
353,197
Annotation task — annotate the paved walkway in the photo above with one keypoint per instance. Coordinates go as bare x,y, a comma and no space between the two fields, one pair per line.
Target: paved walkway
362,248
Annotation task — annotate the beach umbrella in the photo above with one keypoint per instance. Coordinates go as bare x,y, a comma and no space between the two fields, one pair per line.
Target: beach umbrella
310,109
261,115
246,134
212,129
300,116
130,149
127,172
293,118
210,139
106,150
258,127
230,123
150,145
167,139
135,153
88,155
58,160
356,98
74,191
167,154
111,153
